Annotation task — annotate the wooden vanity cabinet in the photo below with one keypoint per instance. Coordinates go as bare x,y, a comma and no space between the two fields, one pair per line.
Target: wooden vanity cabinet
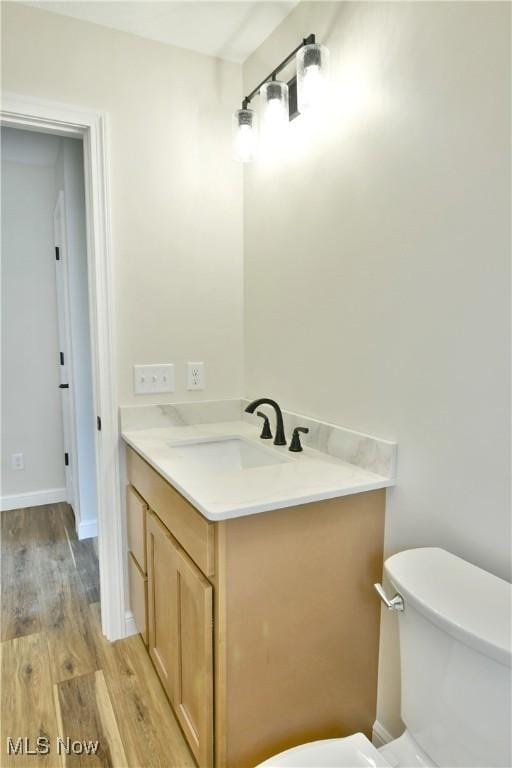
293,651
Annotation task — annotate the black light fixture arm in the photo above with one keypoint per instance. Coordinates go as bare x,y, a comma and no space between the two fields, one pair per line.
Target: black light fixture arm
309,40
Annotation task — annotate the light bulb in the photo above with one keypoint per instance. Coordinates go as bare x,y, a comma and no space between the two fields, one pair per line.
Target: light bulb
275,119
312,70
245,135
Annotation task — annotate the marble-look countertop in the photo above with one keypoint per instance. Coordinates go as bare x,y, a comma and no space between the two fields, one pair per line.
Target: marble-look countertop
219,494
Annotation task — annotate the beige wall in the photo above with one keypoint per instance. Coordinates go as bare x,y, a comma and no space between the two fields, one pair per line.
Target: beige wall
377,264
176,195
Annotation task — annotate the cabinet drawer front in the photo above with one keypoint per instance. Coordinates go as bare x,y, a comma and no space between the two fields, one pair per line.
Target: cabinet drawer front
138,596
193,531
136,509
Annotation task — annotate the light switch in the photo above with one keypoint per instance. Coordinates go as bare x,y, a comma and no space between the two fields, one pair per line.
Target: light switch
153,379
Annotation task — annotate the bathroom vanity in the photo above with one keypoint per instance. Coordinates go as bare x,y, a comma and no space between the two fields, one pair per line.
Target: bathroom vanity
263,625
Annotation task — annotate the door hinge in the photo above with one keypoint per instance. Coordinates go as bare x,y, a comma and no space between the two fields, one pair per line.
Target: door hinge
57,253
63,386
98,423
61,358
66,459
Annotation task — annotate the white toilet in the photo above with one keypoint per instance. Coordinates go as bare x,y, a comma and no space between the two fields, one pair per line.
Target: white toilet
455,657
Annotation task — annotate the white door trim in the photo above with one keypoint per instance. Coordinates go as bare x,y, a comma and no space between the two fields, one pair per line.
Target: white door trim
65,120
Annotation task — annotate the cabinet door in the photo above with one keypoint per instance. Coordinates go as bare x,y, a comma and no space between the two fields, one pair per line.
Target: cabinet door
138,596
136,510
194,673
162,603
180,636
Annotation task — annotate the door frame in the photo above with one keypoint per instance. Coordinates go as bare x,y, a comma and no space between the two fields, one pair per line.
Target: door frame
43,116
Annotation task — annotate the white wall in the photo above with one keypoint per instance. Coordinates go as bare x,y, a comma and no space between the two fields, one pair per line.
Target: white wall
31,411
69,178
176,195
377,265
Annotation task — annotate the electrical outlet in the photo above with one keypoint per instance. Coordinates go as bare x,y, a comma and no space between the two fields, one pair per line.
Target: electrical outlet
152,379
195,376
17,461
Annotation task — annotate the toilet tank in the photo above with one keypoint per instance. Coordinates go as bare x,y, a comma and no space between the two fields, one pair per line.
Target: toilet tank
455,657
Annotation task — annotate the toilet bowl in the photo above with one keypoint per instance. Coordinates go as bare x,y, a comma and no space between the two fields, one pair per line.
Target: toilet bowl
455,659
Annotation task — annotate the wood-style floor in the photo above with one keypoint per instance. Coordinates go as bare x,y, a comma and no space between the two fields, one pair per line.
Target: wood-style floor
59,676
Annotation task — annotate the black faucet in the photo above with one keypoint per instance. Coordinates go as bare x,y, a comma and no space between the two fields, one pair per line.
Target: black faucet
280,439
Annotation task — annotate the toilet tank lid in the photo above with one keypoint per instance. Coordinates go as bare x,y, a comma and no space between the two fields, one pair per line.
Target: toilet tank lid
467,602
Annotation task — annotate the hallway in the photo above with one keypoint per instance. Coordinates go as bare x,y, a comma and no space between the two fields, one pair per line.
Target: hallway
60,676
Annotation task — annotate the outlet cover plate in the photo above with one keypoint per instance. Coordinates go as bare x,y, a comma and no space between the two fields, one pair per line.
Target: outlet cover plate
153,379
195,376
17,461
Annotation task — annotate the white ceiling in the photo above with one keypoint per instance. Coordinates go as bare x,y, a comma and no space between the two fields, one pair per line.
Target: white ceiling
229,30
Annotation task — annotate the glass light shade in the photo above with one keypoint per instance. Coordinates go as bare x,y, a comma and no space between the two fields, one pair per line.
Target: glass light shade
275,118
245,135
312,73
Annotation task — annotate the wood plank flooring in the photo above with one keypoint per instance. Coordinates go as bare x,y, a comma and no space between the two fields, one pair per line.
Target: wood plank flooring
60,678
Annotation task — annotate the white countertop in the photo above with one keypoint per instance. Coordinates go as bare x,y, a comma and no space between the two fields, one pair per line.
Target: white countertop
221,494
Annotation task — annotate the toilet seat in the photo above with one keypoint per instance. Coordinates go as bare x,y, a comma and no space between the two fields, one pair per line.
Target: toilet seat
350,752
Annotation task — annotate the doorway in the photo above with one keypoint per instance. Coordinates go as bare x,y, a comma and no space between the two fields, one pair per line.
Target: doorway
54,119
47,404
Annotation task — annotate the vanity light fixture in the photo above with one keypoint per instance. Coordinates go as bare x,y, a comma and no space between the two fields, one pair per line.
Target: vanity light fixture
282,102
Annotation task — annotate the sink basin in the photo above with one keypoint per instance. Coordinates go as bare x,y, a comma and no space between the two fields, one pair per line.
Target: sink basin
226,454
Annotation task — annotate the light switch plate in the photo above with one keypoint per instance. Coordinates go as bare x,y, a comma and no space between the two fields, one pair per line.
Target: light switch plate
152,379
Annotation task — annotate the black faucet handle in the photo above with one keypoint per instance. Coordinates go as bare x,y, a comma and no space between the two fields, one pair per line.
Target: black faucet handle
266,434
295,445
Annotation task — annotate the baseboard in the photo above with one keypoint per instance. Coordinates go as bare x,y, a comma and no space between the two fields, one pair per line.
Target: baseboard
129,624
87,529
32,499
380,735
